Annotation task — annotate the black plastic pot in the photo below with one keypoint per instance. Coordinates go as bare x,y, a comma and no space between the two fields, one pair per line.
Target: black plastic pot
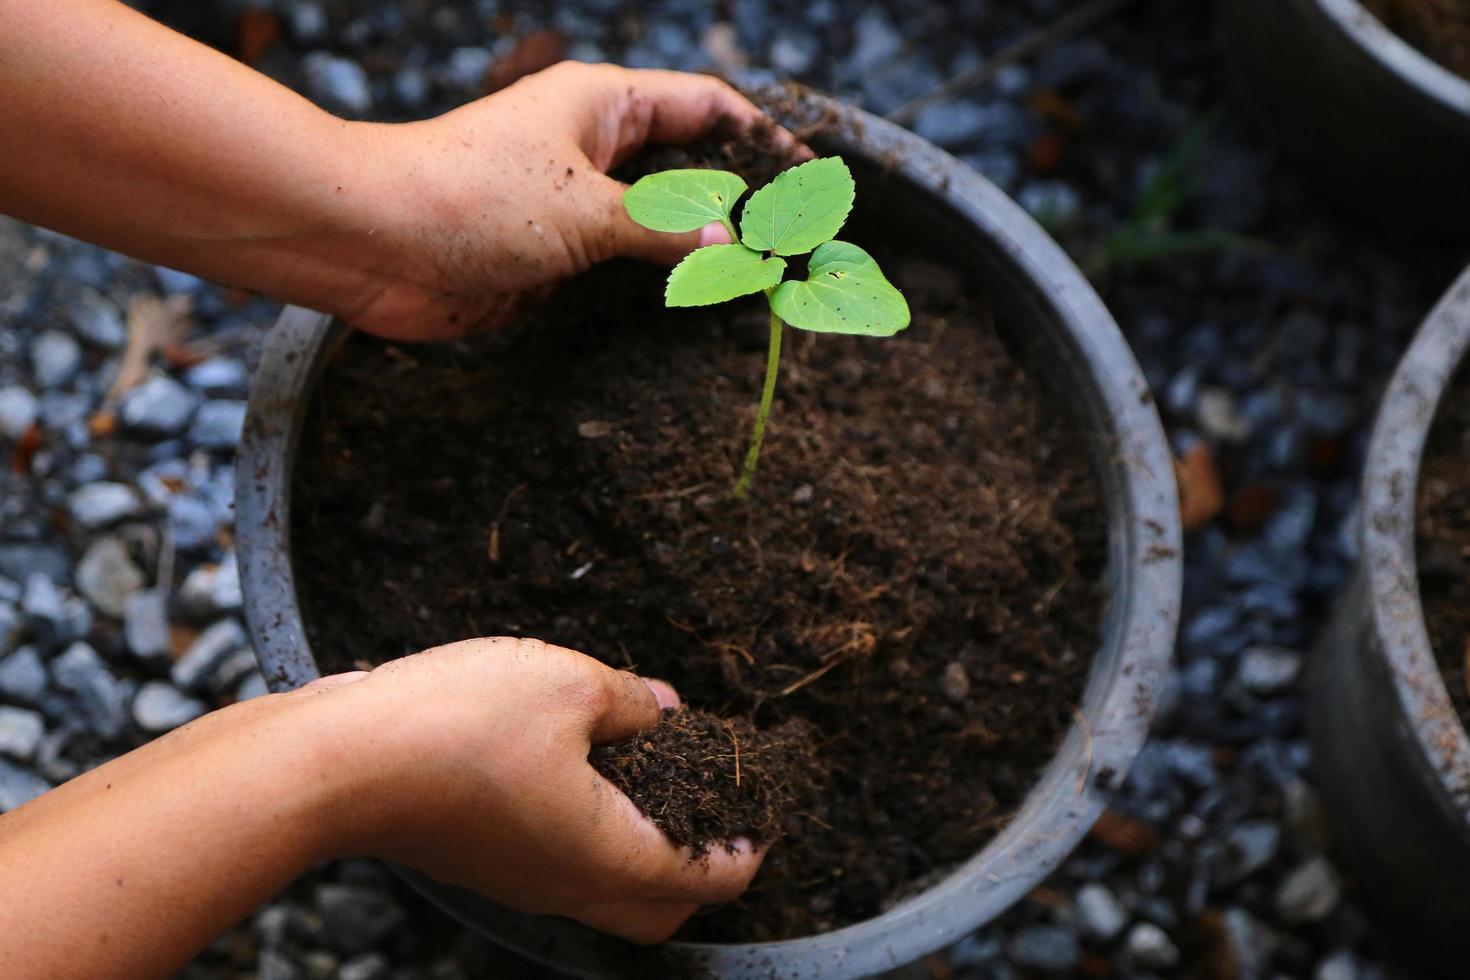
1367,116
1058,323
1390,753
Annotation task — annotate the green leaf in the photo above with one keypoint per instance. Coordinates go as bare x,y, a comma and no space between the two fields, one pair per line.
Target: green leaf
844,292
683,200
716,273
799,210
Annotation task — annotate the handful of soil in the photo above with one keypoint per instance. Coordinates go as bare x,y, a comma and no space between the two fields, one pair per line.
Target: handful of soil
705,780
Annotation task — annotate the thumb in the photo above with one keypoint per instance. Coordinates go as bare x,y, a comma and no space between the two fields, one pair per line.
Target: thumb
629,705
622,236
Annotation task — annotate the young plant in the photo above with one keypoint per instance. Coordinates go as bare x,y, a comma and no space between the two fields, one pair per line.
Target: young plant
798,212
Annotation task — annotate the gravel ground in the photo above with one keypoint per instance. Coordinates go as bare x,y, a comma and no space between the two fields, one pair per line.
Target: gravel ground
1266,323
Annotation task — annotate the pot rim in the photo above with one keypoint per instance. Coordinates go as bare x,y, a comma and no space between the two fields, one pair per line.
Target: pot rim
1123,687
1397,56
1388,540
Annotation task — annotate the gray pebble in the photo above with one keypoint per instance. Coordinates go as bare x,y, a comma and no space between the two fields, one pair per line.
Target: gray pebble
159,406
1341,965
191,523
954,682
1309,893
1099,913
368,966
1053,204
953,124
211,590
55,358
18,411
210,649
218,374
1251,944
1268,670
18,785
97,320
355,918
161,707
877,42
106,575
42,602
145,625
253,686
1219,417
411,85
1150,947
1044,948
174,281
794,53
466,67
23,676
101,697
20,732
21,559
307,19
218,424
338,83
274,965
97,505
1248,847
61,410
232,671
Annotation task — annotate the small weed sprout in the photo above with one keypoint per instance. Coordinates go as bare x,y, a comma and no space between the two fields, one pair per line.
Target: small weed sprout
798,212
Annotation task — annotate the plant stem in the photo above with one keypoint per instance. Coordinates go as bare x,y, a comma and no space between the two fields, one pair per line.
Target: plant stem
773,363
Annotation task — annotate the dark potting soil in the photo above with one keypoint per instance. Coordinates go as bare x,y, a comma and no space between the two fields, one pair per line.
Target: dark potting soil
705,779
1439,28
895,625
1443,552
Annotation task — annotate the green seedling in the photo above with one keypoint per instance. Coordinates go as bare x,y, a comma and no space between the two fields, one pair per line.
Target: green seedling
798,212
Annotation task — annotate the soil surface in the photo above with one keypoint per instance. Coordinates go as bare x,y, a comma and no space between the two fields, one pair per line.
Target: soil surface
1444,540
1439,28
896,623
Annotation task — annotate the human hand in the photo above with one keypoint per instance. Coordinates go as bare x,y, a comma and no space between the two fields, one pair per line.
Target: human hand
510,193
479,778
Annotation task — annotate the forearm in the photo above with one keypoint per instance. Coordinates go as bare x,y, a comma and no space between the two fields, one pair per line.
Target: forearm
123,132
133,867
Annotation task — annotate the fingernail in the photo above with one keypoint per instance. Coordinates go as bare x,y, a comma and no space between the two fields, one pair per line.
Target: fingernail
664,693
741,845
714,233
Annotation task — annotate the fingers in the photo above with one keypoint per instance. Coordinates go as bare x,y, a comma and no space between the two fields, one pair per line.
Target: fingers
676,107
644,922
627,707
722,875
